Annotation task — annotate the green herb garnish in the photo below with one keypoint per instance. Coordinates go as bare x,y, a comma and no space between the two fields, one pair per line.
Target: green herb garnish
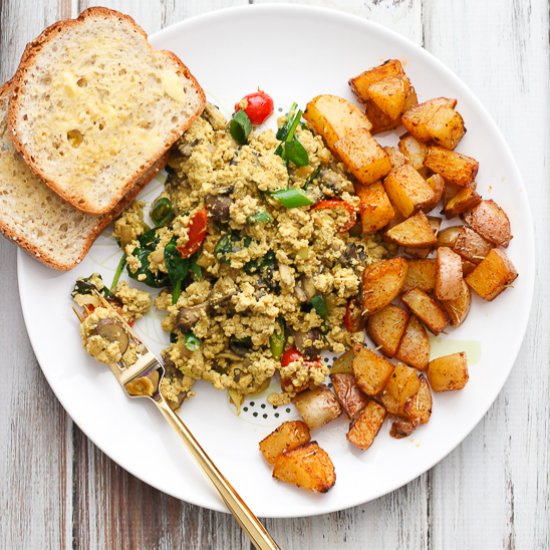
118,271
260,217
277,339
293,197
240,127
191,342
162,211
290,149
177,267
320,305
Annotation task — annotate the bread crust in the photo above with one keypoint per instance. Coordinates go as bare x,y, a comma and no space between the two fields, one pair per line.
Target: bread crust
32,50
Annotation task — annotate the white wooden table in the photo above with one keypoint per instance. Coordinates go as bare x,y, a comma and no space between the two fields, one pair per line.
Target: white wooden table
58,491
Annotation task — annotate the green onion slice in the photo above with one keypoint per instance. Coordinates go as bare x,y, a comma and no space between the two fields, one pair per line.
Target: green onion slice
162,211
293,198
191,342
260,217
320,305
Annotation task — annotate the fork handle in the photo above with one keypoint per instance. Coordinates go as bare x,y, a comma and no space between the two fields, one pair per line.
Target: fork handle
241,512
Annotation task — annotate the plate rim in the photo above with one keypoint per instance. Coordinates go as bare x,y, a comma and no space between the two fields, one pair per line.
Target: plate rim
527,229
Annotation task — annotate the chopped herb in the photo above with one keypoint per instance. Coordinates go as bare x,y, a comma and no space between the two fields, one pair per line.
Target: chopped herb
240,127
293,197
320,305
118,271
277,339
296,153
191,342
177,267
162,212
260,217
311,177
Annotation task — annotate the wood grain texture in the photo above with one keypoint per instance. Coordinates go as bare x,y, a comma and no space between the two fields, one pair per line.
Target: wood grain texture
59,491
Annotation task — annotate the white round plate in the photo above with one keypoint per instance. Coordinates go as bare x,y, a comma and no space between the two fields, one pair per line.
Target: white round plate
294,53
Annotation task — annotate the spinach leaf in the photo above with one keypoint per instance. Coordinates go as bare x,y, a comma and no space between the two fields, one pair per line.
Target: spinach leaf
177,267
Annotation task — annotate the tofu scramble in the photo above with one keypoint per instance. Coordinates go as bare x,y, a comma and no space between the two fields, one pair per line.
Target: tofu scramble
254,282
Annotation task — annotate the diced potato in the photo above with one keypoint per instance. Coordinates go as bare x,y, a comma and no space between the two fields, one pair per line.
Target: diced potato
414,232
307,466
382,282
417,253
426,309
382,122
448,236
451,190
403,384
366,426
352,399
454,167
360,84
414,150
437,183
471,246
386,328
417,118
401,427
414,348
458,309
343,364
495,273
435,222
419,407
333,117
448,278
446,127
449,372
420,274
407,189
317,406
390,95
375,207
371,370
286,437
491,222
465,199
397,158
467,267
363,156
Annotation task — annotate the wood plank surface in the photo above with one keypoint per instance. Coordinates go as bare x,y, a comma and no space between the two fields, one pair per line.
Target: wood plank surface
59,491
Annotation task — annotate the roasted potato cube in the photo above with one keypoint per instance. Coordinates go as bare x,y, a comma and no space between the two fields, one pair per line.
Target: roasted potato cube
401,427
360,84
390,95
458,309
495,273
420,274
371,370
375,207
333,117
352,399
382,122
448,277
414,150
437,183
449,372
471,246
446,127
414,348
426,309
386,328
417,253
454,167
451,190
363,156
403,384
464,200
491,222
397,158
414,232
382,282
407,189
417,118
448,236
366,426
343,364
467,267
286,437
419,407
317,406
307,466
435,222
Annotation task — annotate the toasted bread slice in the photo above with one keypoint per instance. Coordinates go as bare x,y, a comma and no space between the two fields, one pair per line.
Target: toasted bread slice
94,107
37,219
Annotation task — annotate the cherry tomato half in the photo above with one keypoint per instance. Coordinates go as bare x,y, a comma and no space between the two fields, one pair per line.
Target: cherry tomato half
289,356
258,106
196,231
352,318
337,203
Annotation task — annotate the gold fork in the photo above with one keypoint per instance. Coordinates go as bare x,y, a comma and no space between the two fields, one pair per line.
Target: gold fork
143,379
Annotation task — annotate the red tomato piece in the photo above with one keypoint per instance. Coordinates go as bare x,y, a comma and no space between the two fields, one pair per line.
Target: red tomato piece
352,318
258,106
289,356
337,203
196,231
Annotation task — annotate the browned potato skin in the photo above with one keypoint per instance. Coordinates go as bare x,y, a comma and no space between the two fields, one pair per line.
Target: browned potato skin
382,122
375,207
491,222
449,372
352,399
360,84
401,427
382,282
414,232
397,158
417,118
448,279
495,273
418,408
465,199
454,167
317,406
467,267
407,190
390,95
448,236
414,150
426,309
420,274
446,127
471,246
363,156
386,328
286,437
458,309
414,348
403,384
344,363
366,426
307,466
372,371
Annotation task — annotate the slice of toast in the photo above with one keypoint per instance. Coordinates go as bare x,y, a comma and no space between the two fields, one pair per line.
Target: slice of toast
37,219
94,107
